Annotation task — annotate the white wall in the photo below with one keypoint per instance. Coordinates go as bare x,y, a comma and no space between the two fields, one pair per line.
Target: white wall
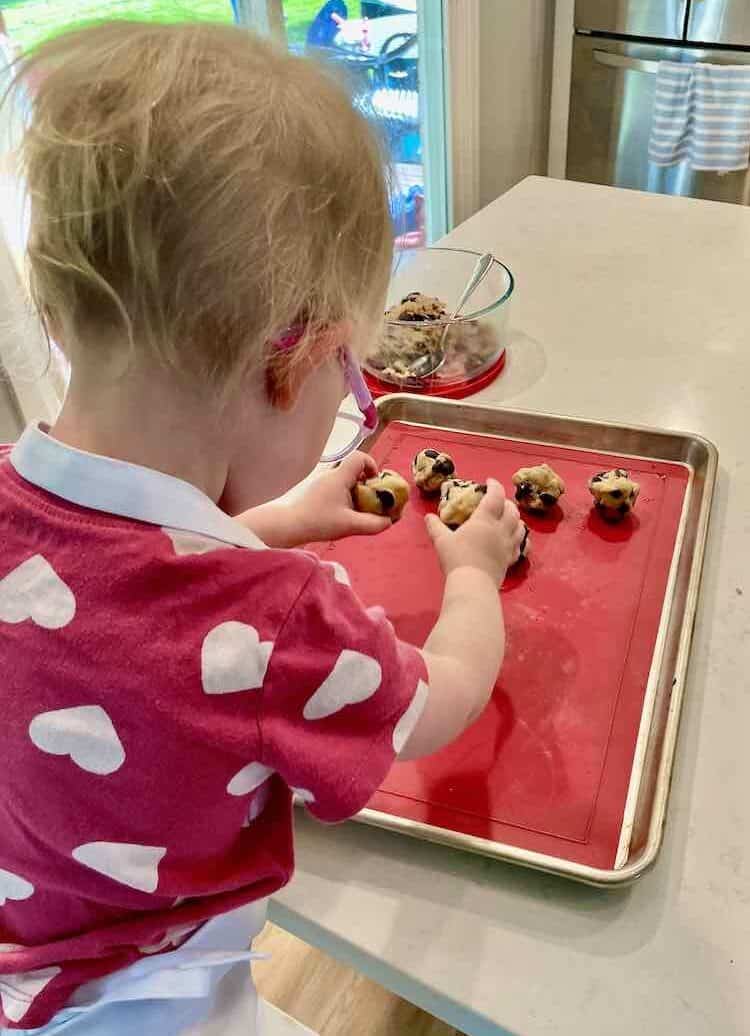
515,77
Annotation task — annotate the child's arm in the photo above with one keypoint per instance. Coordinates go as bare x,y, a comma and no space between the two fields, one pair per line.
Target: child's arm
343,696
323,512
465,649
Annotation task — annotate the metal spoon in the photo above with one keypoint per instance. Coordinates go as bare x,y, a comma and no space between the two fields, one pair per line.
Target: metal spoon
432,362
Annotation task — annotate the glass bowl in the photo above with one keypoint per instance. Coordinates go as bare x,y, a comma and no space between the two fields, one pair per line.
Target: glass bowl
424,290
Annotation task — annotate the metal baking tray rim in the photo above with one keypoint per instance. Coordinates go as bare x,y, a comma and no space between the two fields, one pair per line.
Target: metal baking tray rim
628,872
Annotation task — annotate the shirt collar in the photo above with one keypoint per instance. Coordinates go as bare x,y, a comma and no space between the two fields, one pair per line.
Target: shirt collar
128,490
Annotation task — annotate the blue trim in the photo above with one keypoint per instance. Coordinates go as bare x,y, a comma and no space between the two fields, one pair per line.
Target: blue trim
433,110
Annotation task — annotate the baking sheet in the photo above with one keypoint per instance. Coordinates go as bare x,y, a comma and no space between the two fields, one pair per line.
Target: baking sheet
551,773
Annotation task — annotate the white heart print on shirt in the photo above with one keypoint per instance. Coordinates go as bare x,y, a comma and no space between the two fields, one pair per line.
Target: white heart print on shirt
405,726
18,992
185,542
258,803
339,572
249,778
34,591
136,866
12,886
353,679
85,733
234,658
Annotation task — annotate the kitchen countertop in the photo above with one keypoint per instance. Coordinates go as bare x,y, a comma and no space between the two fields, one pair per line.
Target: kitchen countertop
634,308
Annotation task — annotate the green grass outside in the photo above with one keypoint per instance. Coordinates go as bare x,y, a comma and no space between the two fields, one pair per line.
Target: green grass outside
32,21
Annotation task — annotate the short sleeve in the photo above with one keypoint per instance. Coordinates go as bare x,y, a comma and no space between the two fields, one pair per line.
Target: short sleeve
342,695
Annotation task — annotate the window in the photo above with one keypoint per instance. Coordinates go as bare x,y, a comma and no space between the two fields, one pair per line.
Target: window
389,55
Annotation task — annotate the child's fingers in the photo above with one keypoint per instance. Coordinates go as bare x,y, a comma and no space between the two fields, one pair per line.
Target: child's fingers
369,524
436,529
355,467
517,540
522,545
351,469
370,465
511,514
493,502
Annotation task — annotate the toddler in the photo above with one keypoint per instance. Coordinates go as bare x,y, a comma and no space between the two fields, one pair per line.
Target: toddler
210,244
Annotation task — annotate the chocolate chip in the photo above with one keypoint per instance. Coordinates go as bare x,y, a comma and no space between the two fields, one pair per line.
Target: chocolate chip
524,541
615,493
386,498
623,508
524,489
444,467
481,488
413,318
548,499
598,478
453,526
432,454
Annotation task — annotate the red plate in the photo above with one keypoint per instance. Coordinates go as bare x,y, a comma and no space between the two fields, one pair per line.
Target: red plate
444,389
547,766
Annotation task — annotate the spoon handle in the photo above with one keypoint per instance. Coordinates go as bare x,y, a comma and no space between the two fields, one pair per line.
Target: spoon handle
481,268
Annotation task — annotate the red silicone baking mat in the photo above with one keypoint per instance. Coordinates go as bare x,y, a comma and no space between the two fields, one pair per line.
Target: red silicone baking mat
547,765
451,390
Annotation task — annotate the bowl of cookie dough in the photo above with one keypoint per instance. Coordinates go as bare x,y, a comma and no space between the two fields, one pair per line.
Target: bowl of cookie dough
422,332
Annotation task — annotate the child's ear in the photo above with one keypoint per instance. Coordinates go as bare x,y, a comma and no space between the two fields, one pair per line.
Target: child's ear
287,373
284,381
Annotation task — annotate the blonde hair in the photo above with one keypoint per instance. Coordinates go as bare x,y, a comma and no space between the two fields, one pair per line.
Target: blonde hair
194,192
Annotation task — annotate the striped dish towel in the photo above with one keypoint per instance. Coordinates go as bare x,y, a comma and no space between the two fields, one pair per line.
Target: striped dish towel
701,115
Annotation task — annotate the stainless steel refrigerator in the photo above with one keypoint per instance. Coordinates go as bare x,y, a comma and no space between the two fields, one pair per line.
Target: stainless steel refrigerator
616,53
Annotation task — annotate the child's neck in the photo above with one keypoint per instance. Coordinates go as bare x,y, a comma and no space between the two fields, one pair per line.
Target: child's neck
146,420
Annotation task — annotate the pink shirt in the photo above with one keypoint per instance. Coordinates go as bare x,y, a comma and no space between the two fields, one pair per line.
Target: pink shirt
167,683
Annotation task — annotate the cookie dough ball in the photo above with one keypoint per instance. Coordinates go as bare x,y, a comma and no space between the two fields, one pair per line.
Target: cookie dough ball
614,493
538,488
431,468
459,499
386,494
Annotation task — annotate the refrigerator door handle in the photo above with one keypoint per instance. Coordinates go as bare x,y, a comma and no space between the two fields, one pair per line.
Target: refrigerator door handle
605,57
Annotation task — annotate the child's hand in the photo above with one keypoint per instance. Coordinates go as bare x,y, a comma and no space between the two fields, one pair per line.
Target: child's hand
489,541
326,510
